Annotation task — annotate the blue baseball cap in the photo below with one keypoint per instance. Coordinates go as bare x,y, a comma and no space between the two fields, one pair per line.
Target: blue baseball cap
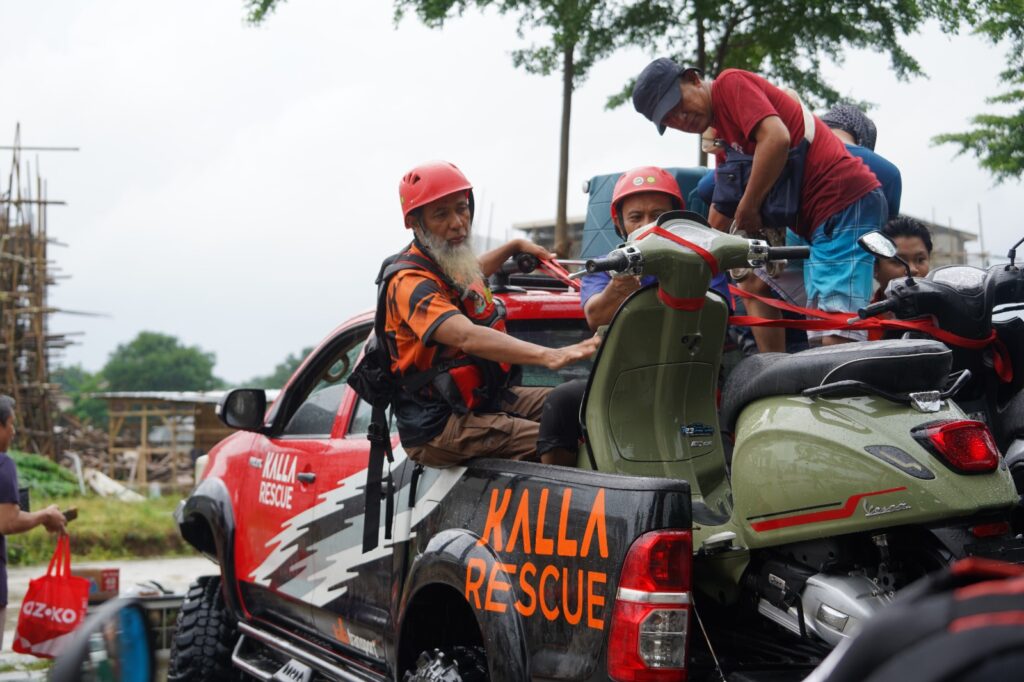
657,90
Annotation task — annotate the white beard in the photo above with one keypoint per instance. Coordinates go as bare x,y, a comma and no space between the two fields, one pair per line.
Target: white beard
459,263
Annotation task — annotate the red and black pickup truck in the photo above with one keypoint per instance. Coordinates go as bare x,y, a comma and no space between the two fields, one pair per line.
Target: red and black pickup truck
497,570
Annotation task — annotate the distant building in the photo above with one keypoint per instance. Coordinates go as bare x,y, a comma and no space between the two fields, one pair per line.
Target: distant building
949,245
162,431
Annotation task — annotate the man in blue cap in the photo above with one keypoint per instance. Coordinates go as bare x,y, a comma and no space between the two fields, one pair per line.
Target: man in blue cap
840,198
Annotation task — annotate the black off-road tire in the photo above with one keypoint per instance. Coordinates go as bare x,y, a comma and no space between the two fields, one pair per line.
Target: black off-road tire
205,636
452,664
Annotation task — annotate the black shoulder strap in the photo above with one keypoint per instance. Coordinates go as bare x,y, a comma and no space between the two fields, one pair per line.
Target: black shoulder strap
379,435
392,265
379,430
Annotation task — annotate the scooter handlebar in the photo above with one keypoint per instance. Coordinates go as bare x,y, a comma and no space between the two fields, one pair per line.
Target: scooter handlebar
789,252
616,260
874,309
521,263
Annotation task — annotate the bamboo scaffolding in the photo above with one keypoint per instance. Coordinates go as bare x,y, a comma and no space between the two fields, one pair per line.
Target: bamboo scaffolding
26,344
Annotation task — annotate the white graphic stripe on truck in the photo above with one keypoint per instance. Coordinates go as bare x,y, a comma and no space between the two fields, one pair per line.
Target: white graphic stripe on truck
340,553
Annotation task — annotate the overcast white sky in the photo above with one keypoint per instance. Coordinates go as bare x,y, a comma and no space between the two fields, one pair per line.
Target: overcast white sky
237,187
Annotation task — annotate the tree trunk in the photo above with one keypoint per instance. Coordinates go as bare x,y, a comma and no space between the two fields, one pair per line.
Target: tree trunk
562,242
702,64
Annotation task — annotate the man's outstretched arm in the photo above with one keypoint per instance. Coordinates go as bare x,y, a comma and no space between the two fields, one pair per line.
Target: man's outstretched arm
458,331
13,520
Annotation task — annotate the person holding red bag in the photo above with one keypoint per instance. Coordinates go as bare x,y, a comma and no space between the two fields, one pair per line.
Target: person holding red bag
12,519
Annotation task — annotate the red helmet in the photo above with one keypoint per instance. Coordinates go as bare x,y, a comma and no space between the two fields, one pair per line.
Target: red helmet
430,182
643,179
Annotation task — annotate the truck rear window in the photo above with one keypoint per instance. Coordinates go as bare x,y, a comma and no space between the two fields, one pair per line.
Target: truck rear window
554,334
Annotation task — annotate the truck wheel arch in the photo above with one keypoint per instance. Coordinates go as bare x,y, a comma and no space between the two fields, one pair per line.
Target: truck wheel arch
438,572
206,521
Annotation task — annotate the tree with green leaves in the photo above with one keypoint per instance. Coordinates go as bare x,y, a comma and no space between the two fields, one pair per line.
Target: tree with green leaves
283,371
79,385
159,362
579,34
997,140
783,40
786,41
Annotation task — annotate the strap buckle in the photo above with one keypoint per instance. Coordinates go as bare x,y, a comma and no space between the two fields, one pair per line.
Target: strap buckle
378,433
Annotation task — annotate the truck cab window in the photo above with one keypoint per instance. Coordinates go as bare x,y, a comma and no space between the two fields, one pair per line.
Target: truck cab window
316,413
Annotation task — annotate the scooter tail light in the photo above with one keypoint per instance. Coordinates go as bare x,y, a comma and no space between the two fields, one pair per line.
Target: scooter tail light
648,636
990,530
964,445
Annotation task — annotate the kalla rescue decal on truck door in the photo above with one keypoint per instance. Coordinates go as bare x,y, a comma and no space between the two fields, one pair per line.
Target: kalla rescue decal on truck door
549,559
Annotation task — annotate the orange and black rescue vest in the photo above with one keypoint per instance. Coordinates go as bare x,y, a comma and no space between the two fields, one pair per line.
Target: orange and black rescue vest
427,394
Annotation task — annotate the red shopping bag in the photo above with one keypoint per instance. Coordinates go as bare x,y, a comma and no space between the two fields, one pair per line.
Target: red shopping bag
54,606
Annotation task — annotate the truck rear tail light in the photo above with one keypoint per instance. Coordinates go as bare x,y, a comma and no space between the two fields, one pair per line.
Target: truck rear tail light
965,446
647,640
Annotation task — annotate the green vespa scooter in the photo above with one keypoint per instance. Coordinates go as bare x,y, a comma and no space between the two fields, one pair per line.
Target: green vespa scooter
825,480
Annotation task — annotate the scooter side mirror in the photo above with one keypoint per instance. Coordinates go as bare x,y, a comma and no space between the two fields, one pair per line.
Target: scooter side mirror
880,246
877,244
115,643
1012,255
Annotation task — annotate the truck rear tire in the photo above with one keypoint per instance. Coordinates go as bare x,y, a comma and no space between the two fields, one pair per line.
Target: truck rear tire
205,636
452,664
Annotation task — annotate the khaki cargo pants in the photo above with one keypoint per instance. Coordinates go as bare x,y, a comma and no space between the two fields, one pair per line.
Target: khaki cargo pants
510,434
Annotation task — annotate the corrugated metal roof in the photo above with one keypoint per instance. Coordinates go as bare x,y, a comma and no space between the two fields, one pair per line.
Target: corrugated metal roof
177,396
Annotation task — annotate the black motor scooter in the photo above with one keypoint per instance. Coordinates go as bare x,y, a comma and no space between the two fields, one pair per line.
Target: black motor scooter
975,305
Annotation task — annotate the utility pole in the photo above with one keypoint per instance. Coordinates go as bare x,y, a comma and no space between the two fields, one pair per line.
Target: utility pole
981,240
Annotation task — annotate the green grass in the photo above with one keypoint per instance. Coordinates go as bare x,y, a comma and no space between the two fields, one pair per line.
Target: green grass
25,667
105,529
44,476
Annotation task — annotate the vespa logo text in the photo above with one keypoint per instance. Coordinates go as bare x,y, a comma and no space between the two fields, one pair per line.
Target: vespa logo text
872,510
277,480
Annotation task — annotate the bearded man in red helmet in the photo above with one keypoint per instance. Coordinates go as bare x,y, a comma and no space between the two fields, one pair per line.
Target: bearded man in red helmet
639,197
446,337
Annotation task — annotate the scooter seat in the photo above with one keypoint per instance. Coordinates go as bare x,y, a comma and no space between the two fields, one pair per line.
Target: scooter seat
896,366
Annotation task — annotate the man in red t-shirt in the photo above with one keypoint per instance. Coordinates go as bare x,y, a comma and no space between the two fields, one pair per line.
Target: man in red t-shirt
840,197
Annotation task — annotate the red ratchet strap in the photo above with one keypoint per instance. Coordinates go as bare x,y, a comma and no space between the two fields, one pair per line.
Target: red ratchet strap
665,234
680,303
555,269
828,321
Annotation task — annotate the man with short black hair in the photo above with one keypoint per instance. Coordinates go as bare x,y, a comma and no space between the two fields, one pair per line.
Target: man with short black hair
913,244
12,519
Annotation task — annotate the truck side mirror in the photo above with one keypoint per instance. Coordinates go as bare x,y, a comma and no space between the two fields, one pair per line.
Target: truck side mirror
115,643
243,408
